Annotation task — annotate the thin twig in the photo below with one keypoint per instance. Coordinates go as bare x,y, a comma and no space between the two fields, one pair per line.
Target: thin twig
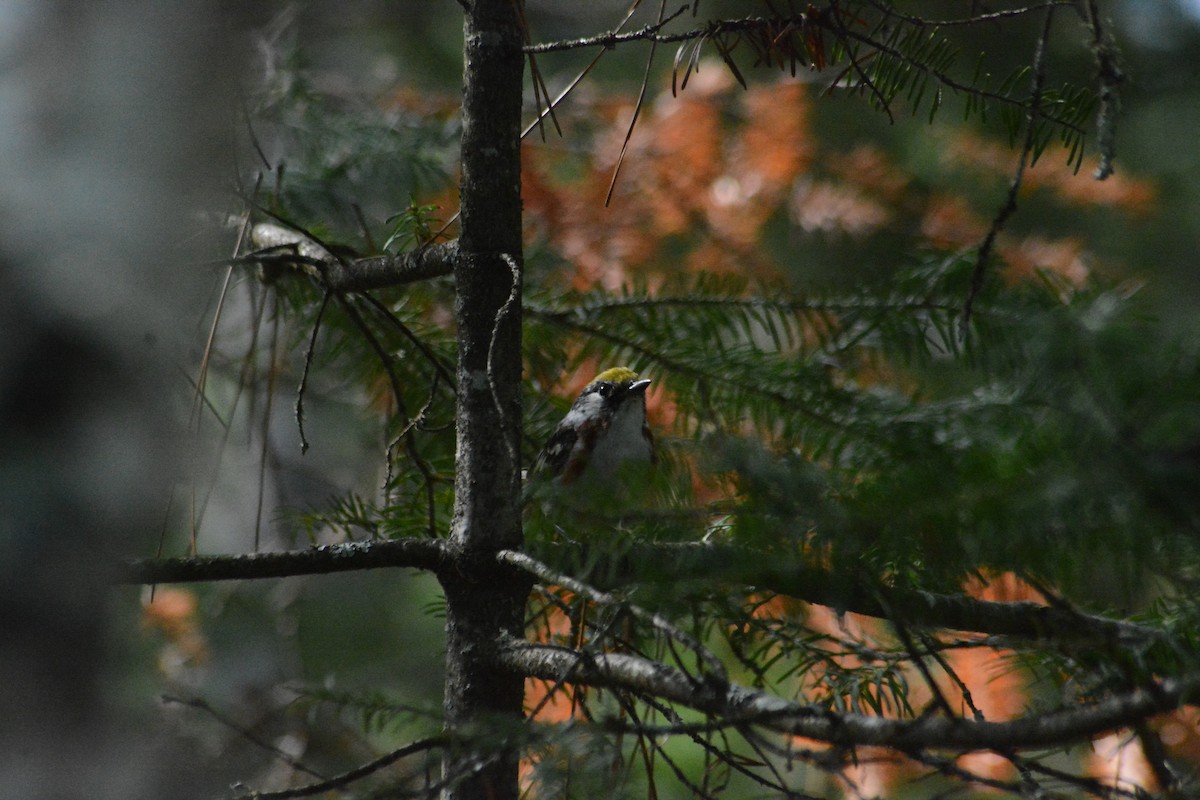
756,743
910,647
356,774
1033,114
535,74
1110,76
963,689
1156,756
563,680
551,105
951,768
247,117
637,110
546,573
441,374
203,705
364,228
264,452
659,752
308,359
246,376
439,367
652,33
1083,782
974,19
832,306
864,78
410,445
202,375
958,86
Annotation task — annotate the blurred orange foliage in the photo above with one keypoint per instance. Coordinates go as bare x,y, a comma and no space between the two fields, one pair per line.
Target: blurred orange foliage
700,178
703,174
172,612
972,151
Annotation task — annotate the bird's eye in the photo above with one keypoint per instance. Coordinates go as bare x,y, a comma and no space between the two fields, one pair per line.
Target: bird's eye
605,389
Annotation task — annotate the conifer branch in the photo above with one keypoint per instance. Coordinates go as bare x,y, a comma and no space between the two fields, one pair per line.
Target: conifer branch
680,562
826,19
200,704
659,622
651,33
381,272
623,672
356,774
1026,158
425,554
832,305
974,19
280,246
795,578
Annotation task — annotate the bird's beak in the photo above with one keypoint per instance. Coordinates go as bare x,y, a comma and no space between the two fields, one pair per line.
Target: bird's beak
638,387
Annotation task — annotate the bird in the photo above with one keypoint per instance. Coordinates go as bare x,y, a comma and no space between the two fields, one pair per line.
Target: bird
604,434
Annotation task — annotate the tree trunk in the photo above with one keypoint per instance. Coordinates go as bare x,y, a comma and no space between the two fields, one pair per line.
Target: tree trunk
483,602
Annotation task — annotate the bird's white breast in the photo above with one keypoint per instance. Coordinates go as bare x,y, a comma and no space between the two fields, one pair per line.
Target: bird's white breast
623,442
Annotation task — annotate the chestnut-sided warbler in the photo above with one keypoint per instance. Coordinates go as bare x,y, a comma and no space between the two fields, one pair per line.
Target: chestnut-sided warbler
604,432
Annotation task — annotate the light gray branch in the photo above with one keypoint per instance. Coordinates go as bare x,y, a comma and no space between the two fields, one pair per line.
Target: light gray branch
277,244
380,272
749,706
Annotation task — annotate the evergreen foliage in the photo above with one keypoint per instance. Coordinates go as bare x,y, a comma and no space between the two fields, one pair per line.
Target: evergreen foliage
876,435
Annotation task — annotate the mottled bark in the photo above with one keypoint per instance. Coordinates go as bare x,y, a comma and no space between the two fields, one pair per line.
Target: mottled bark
482,602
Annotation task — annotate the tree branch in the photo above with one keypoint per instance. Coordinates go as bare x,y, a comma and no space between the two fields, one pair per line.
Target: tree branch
974,19
356,774
793,24
1110,77
282,246
652,33
1027,157
749,706
246,733
658,621
648,562
380,272
427,554
677,563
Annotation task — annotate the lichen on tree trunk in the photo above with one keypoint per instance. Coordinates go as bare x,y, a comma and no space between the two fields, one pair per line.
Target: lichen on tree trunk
482,602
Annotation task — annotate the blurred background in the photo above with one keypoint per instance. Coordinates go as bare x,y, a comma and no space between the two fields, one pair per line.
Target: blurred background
132,133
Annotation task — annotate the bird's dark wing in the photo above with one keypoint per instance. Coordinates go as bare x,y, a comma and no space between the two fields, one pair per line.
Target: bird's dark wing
554,455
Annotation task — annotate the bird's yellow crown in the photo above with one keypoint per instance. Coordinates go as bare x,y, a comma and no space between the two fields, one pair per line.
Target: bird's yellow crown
616,375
